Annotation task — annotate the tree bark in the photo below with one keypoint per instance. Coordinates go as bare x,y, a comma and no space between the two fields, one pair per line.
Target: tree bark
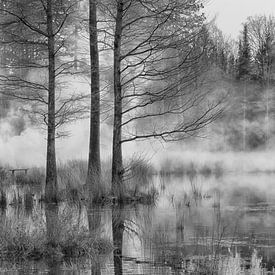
117,164
94,167
51,174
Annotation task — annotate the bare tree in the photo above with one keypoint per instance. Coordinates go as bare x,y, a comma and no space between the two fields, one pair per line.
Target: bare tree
40,27
157,49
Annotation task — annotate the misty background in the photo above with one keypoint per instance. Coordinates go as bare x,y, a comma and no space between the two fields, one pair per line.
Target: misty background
246,128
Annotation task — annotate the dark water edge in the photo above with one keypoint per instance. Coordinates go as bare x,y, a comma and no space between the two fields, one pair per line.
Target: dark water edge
198,225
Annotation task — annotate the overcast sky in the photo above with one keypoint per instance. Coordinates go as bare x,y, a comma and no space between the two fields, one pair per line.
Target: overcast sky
232,13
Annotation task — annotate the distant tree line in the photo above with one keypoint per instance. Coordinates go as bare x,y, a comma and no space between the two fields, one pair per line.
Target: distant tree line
248,66
252,56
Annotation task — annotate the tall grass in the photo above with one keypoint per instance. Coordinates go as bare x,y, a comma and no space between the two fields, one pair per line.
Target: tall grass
71,177
138,181
201,258
136,186
35,176
72,182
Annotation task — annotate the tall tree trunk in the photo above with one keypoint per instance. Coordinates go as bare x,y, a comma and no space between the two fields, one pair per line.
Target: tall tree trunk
94,169
51,176
117,165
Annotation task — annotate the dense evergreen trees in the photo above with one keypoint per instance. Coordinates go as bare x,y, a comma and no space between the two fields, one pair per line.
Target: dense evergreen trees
244,56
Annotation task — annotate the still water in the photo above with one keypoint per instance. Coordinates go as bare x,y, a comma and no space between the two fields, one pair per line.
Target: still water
198,225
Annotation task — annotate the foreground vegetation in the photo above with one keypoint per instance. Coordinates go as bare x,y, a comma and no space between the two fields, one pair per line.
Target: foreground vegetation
193,235
18,240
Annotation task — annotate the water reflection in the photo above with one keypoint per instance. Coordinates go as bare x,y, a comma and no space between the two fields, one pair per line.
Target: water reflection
54,267
117,229
52,225
198,226
94,220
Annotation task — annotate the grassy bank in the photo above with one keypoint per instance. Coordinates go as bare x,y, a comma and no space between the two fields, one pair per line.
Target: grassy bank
137,183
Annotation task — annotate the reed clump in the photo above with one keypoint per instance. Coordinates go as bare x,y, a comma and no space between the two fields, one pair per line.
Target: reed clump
19,241
138,183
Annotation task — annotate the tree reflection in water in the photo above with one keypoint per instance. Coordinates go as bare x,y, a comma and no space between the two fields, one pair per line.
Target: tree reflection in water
94,221
117,229
53,233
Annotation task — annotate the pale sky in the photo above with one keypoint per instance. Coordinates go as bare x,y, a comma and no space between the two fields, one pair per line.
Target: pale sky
232,13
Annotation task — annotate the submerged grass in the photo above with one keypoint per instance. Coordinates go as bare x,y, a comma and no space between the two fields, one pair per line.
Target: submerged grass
199,257
18,240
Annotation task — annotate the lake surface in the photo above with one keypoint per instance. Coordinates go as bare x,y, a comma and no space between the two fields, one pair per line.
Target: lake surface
199,225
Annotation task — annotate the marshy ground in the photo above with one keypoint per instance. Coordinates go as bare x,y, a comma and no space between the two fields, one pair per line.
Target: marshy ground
202,221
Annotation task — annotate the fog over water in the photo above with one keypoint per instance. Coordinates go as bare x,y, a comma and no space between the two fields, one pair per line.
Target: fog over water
192,192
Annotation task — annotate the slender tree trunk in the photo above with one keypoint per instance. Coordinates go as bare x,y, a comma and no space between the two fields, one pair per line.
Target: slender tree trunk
51,177
94,169
117,165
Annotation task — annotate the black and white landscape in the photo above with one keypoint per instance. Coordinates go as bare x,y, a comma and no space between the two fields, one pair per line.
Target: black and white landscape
137,137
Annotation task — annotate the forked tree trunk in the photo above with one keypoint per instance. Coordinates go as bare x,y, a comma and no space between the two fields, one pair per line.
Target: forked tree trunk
117,165
94,168
51,175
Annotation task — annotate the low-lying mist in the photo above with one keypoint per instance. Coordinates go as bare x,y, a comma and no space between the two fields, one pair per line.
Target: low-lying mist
27,148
